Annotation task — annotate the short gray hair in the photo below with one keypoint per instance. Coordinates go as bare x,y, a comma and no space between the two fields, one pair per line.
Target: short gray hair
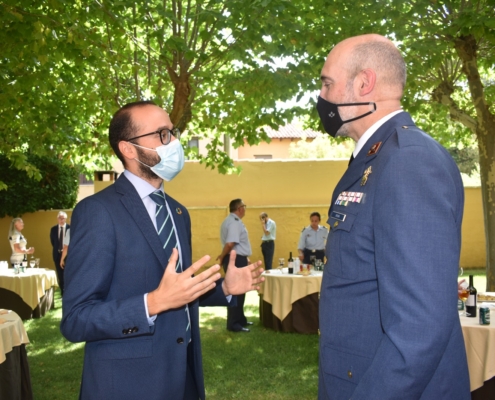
62,213
383,57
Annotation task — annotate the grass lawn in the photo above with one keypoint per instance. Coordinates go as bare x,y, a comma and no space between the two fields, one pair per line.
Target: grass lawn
262,364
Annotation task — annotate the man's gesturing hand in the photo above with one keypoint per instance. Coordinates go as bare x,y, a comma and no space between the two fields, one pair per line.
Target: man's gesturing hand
242,280
178,289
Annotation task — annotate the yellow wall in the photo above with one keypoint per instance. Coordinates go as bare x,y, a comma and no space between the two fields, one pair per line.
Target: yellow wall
277,148
287,190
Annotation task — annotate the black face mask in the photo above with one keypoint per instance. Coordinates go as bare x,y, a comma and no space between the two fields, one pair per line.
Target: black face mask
330,117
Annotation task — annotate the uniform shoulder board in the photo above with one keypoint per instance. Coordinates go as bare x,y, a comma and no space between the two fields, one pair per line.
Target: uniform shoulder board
304,228
237,219
324,227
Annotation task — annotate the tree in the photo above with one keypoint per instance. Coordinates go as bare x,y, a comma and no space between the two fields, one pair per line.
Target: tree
449,49
66,66
57,188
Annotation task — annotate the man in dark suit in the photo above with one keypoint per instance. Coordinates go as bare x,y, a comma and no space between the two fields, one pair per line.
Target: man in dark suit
57,234
388,306
130,295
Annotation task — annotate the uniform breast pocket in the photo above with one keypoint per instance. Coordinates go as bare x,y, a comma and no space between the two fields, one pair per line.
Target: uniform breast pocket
340,248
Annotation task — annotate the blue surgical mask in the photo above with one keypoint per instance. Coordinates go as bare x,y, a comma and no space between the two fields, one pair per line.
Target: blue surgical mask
171,160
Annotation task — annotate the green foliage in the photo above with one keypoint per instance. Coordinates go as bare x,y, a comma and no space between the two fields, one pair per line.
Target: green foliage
467,159
56,188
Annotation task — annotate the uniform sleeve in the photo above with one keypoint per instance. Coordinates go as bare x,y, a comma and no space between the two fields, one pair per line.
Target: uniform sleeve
233,232
302,240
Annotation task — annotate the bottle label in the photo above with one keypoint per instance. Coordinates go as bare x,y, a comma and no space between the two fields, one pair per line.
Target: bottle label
471,301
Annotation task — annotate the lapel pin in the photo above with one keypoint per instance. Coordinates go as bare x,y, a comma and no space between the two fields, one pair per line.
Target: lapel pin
364,179
179,211
374,149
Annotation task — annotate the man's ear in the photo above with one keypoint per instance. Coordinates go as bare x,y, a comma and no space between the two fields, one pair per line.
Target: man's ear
127,150
367,80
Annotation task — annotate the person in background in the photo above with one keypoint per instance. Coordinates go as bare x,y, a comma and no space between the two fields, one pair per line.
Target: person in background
64,250
389,325
312,240
57,234
268,239
234,237
132,291
18,242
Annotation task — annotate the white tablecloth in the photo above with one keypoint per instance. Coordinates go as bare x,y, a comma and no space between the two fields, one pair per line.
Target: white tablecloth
12,333
480,349
30,285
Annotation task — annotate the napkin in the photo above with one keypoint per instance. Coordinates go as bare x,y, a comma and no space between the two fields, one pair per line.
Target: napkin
490,305
3,311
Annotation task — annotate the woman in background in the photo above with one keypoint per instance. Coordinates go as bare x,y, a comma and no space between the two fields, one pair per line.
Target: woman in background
18,242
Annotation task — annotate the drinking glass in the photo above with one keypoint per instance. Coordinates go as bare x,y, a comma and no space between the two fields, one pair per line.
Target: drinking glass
37,261
463,294
32,263
16,268
281,262
460,272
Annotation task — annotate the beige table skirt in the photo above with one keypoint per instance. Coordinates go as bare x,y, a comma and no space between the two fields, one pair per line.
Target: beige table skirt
480,349
12,333
30,285
282,290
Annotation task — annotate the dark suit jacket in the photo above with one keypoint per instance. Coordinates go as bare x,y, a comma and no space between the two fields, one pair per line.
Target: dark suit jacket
115,257
54,241
388,307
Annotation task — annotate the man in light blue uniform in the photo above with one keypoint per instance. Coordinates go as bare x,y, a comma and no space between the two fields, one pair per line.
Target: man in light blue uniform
388,306
268,239
234,236
312,240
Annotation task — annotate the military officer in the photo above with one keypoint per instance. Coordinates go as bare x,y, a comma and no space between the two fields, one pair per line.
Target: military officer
312,240
234,236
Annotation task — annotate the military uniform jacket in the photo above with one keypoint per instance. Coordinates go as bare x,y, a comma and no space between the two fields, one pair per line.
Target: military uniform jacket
388,307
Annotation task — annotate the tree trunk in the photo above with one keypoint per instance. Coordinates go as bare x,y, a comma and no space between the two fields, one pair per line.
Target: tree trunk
466,48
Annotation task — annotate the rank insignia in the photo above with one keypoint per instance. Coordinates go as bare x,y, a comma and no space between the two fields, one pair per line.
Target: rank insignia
374,149
364,179
179,211
345,198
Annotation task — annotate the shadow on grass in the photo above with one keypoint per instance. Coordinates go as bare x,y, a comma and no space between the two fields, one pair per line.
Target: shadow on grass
261,364
55,363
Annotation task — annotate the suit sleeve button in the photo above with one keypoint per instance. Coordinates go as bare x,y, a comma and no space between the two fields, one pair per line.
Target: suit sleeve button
180,340
135,329
124,331
349,374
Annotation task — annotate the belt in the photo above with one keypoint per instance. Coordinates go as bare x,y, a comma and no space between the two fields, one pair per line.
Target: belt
268,240
60,251
314,250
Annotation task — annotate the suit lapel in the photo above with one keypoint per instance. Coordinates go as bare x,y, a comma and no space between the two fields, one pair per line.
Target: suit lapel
135,207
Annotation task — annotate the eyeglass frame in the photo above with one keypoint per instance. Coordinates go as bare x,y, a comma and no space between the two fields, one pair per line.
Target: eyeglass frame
244,205
171,132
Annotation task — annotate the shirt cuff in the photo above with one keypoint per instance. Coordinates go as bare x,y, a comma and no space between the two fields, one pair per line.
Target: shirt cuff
151,320
229,298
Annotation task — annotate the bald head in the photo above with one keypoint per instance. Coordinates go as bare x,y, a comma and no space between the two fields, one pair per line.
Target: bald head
378,53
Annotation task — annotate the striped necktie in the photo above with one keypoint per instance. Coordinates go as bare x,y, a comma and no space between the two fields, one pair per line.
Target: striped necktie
166,232
165,226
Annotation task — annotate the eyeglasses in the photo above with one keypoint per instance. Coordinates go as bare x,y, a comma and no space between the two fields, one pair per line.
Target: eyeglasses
165,135
245,206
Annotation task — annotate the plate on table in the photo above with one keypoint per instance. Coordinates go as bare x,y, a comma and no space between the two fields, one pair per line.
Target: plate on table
486,297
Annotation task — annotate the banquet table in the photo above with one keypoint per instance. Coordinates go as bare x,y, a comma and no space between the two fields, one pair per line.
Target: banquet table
29,293
15,381
289,302
479,341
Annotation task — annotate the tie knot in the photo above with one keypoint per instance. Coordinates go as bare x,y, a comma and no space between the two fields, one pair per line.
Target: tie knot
158,197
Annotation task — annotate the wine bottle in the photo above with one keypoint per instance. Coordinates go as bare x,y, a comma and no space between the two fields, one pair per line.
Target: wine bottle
471,301
25,262
291,264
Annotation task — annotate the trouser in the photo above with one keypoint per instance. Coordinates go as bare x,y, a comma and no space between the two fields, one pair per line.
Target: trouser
319,255
60,272
268,249
236,319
